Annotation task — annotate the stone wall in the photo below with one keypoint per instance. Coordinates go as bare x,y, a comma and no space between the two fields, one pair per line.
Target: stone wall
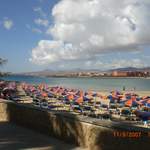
3,112
70,128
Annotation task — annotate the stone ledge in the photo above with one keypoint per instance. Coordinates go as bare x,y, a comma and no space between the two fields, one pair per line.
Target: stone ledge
73,128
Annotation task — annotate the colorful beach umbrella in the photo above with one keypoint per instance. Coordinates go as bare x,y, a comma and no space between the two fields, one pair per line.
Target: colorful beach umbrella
70,97
131,103
79,100
44,94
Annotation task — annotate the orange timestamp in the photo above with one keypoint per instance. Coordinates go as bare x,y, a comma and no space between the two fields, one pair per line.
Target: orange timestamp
127,134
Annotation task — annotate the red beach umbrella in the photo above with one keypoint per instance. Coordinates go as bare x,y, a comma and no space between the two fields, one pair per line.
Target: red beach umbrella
44,94
130,103
70,96
79,100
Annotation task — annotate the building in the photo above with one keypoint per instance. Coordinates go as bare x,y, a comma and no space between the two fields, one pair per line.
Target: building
129,74
119,74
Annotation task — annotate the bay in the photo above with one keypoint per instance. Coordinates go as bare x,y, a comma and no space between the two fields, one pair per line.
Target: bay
97,84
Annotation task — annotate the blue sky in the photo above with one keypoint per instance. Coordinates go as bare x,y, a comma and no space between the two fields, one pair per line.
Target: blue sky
17,42
36,36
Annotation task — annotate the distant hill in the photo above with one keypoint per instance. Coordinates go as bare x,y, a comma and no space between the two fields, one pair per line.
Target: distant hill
51,72
131,69
76,72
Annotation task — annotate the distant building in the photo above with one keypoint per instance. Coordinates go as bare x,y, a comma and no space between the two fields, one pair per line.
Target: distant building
119,74
129,74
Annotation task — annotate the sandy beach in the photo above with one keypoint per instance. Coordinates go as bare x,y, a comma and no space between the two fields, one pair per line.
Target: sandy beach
140,93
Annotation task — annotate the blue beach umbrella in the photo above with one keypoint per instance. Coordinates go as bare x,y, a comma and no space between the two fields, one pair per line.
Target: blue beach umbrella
85,99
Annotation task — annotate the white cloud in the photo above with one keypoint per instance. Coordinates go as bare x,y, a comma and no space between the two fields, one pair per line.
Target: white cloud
52,51
115,63
7,23
83,29
42,22
40,11
127,63
35,30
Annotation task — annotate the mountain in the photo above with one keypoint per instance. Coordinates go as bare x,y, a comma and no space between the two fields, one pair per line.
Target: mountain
80,72
125,69
131,69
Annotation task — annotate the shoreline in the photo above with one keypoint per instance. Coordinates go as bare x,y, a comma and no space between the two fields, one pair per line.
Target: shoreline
104,92
94,77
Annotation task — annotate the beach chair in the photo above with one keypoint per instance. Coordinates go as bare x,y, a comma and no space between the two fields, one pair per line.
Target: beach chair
105,116
125,114
104,107
77,109
36,102
86,110
44,104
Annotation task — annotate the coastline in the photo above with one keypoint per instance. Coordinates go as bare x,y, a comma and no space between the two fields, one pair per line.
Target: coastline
106,92
65,76
93,83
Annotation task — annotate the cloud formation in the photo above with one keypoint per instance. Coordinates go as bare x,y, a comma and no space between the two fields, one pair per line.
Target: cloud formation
40,12
7,23
36,30
83,29
41,22
125,63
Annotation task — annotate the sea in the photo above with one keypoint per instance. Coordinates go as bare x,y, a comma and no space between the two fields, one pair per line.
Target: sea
96,84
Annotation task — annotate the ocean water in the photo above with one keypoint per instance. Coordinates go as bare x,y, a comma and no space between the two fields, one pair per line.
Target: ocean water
97,84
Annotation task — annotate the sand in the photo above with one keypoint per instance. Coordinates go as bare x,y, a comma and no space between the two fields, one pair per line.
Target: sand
140,93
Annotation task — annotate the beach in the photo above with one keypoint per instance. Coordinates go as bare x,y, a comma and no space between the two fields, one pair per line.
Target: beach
98,104
141,93
80,116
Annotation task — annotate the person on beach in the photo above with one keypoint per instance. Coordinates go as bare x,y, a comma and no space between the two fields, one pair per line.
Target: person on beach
124,88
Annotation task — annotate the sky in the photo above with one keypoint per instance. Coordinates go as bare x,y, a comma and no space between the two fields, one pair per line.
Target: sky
68,34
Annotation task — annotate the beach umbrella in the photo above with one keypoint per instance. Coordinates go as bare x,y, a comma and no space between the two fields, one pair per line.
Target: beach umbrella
118,92
128,96
145,97
44,94
63,93
86,93
79,100
94,94
89,96
147,103
144,101
81,93
86,99
50,95
70,97
115,92
143,114
113,99
110,97
131,103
